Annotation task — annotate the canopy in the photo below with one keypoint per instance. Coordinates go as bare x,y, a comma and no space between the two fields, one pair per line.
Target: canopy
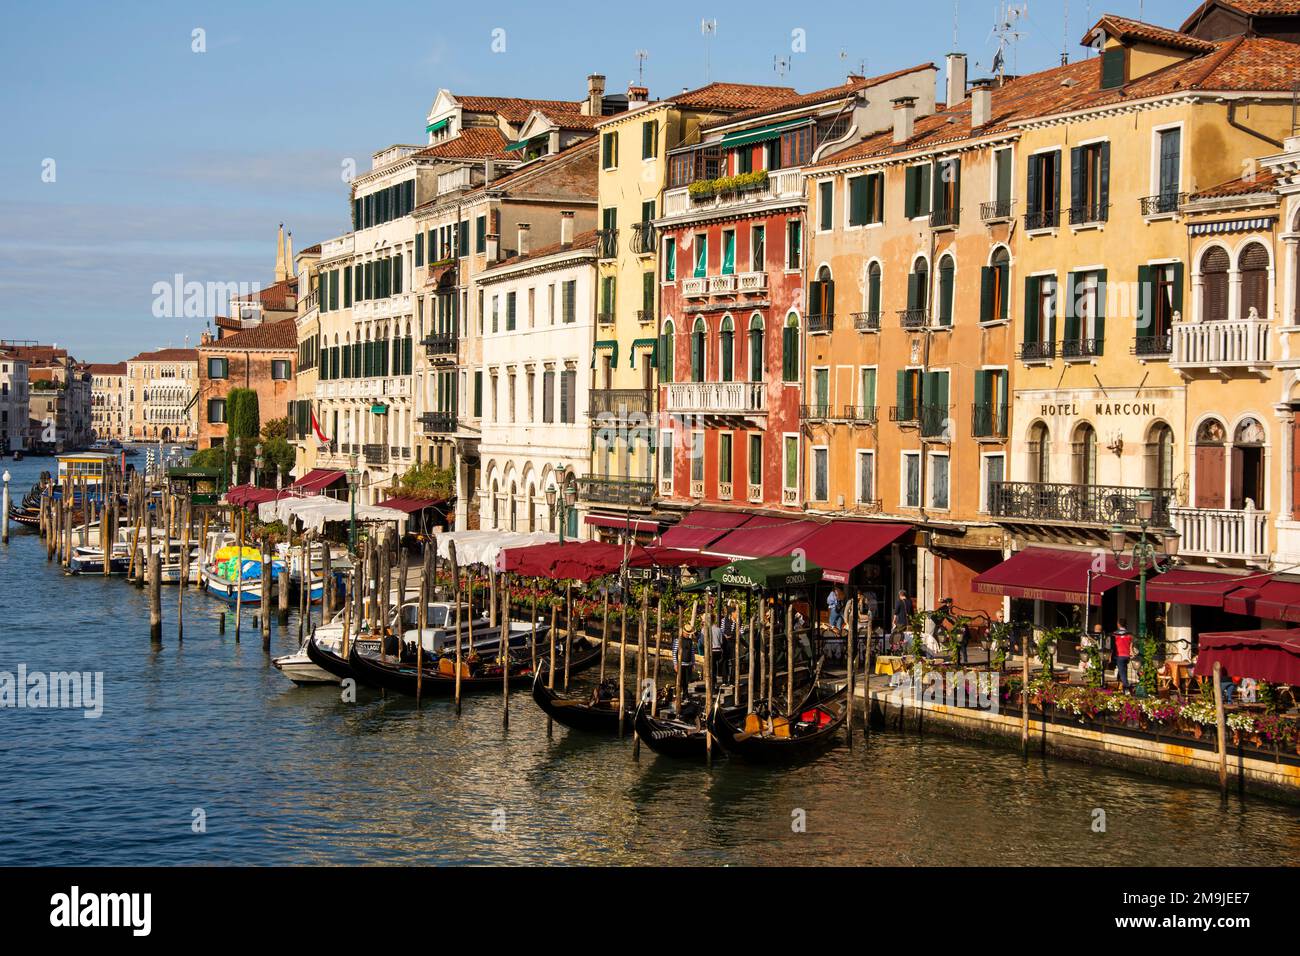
485,546
585,560
1267,655
1203,588
317,480
765,536
250,496
841,546
410,505
1275,599
700,528
315,511
1050,574
769,574
746,136
614,522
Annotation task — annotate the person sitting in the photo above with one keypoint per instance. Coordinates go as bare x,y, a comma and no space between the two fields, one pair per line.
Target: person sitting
1228,686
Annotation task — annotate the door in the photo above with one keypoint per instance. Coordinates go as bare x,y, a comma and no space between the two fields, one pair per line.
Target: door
1209,476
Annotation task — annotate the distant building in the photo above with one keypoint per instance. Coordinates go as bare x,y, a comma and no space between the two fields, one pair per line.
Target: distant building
58,396
13,402
109,410
160,395
261,358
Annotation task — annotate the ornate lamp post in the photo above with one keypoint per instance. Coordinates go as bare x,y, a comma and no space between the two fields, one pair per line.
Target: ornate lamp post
258,463
234,466
353,475
1153,551
566,499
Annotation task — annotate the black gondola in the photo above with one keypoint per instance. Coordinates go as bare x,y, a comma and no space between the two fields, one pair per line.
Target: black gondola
596,712
668,734
327,660
812,727
392,674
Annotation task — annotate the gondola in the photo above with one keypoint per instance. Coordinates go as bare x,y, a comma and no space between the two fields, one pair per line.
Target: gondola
328,660
812,727
439,679
594,713
668,734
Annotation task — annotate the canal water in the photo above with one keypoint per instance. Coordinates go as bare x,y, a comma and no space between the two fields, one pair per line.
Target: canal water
208,730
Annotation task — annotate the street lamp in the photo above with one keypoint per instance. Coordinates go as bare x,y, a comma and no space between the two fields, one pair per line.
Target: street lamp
1150,552
566,499
234,466
353,474
258,462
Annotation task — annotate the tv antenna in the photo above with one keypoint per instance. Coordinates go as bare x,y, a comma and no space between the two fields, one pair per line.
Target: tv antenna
641,57
781,64
862,63
1007,31
709,29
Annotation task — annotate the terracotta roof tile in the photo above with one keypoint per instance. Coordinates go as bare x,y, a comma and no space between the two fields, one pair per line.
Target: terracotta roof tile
1262,182
474,142
1123,28
276,295
166,355
514,109
854,84
583,240
733,96
280,336
107,368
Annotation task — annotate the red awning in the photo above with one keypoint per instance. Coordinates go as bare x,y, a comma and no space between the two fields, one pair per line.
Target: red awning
1268,655
660,557
573,560
317,480
621,524
410,505
699,528
1275,599
1203,588
839,547
250,496
1049,574
764,536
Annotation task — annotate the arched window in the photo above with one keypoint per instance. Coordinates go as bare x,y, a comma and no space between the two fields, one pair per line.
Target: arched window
532,507
666,341
1160,456
727,345
514,509
1085,455
873,295
697,351
1214,285
821,301
1253,269
1040,453
790,349
947,269
1211,460
756,348
995,287
918,293
1248,465
496,514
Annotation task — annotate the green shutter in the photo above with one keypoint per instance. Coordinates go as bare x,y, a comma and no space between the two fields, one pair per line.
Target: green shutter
910,181
1099,333
1072,324
728,253
790,353
648,294
670,260
1032,316
945,295
988,279
701,257
1112,68
1178,287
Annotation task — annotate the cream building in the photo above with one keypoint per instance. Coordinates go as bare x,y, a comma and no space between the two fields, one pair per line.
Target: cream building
161,388
13,402
109,410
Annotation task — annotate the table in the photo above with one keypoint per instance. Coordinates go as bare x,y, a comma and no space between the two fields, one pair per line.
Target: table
888,665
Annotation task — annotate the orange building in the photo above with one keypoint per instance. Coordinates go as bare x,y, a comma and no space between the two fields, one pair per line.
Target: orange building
261,358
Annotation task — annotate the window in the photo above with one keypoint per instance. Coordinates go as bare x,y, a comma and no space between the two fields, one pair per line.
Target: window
670,259
911,479
568,396
991,404
548,396
757,238
873,293
666,342
1085,315
995,287
727,349
939,480
756,348
216,410
918,293
511,300
1252,267
697,456
821,385
697,351
478,394
1160,456
608,297
825,205
790,349
1002,182
724,457
569,298
821,301
1089,183
865,477
1112,68
754,455
609,151
994,468
867,394
666,458
701,255
790,471
866,199
946,271
916,191
794,244
647,296
1040,318
1160,296
480,234
218,368
728,252
1084,455
280,370
1040,453
908,395
1168,168
1214,285
821,477
947,192
649,139
1044,184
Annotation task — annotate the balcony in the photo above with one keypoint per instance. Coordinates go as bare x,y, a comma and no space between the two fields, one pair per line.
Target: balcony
815,413
620,403
997,210
1153,346
717,398
988,421
723,284
936,422
1042,219
438,423
1089,214
821,323
779,184
375,454
440,343
905,415
644,238
945,218
1240,343
1053,503
1075,350
913,318
1162,204
866,321
860,414
605,318
607,243
695,287
1036,352
617,491
1213,533
751,282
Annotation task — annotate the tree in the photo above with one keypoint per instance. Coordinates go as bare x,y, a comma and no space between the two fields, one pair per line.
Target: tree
208,458
275,428
426,481
243,414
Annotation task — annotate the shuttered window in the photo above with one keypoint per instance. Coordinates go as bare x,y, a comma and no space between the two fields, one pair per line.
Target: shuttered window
647,296
569,297
946,272
790,352
1112,68
649,138
548,397
1214,285
1253,267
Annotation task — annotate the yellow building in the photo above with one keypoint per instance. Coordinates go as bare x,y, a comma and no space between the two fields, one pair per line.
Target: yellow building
307,368
633,175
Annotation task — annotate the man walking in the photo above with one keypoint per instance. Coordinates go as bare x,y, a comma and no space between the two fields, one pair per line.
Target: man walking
1123,649
903,611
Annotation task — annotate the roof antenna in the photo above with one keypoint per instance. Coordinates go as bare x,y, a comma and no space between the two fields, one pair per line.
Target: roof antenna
955,4
1004,28
709,29
781,64
1065,35
641,57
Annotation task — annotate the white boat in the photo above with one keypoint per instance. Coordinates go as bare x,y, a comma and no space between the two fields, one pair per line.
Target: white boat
298,667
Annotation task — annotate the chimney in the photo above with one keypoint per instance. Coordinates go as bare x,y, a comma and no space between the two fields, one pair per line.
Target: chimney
595,94
566,228
637,96
981,103
904,118
493,247
553,142
523,238
956,91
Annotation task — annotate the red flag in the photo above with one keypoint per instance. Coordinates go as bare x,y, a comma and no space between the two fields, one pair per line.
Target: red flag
315,426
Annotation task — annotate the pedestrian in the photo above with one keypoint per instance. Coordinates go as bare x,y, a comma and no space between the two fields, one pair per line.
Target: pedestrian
730,629
835,612
715,651
684,656
903,610
1123,650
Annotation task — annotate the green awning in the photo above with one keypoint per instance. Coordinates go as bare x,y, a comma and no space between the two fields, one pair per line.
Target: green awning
768,574
441,124
651,344
612,345
521,144
746,136
379,409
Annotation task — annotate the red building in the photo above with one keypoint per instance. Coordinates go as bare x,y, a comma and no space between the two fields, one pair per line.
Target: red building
734,310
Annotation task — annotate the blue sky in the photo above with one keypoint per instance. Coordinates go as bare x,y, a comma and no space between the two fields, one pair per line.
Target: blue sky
170,161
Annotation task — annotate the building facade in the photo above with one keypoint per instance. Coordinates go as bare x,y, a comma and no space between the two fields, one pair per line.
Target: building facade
260,358
161,387
14,399
109,409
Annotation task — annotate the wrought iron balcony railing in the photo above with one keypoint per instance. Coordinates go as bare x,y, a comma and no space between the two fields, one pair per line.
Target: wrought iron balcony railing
1081,348
821,323
1049,502
1153,345
988,421
861,414
936,421
607,243
995,209
944,218
913,318
375,454
441,423
1089,213
905,414
1037,351
1162,203
617,491
866,321
619,403
643,238
440,343
1042,218
816,412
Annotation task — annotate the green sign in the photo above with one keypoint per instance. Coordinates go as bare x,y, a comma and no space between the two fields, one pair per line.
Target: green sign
768,574
378,409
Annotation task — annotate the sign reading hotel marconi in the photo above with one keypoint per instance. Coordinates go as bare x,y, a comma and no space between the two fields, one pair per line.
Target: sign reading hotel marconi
1140,406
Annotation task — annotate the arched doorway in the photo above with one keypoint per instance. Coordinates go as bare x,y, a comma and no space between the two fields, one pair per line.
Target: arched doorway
1248,464
1210,457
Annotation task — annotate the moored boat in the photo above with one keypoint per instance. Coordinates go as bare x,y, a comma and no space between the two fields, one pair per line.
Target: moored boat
596,712
770,737
439,679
